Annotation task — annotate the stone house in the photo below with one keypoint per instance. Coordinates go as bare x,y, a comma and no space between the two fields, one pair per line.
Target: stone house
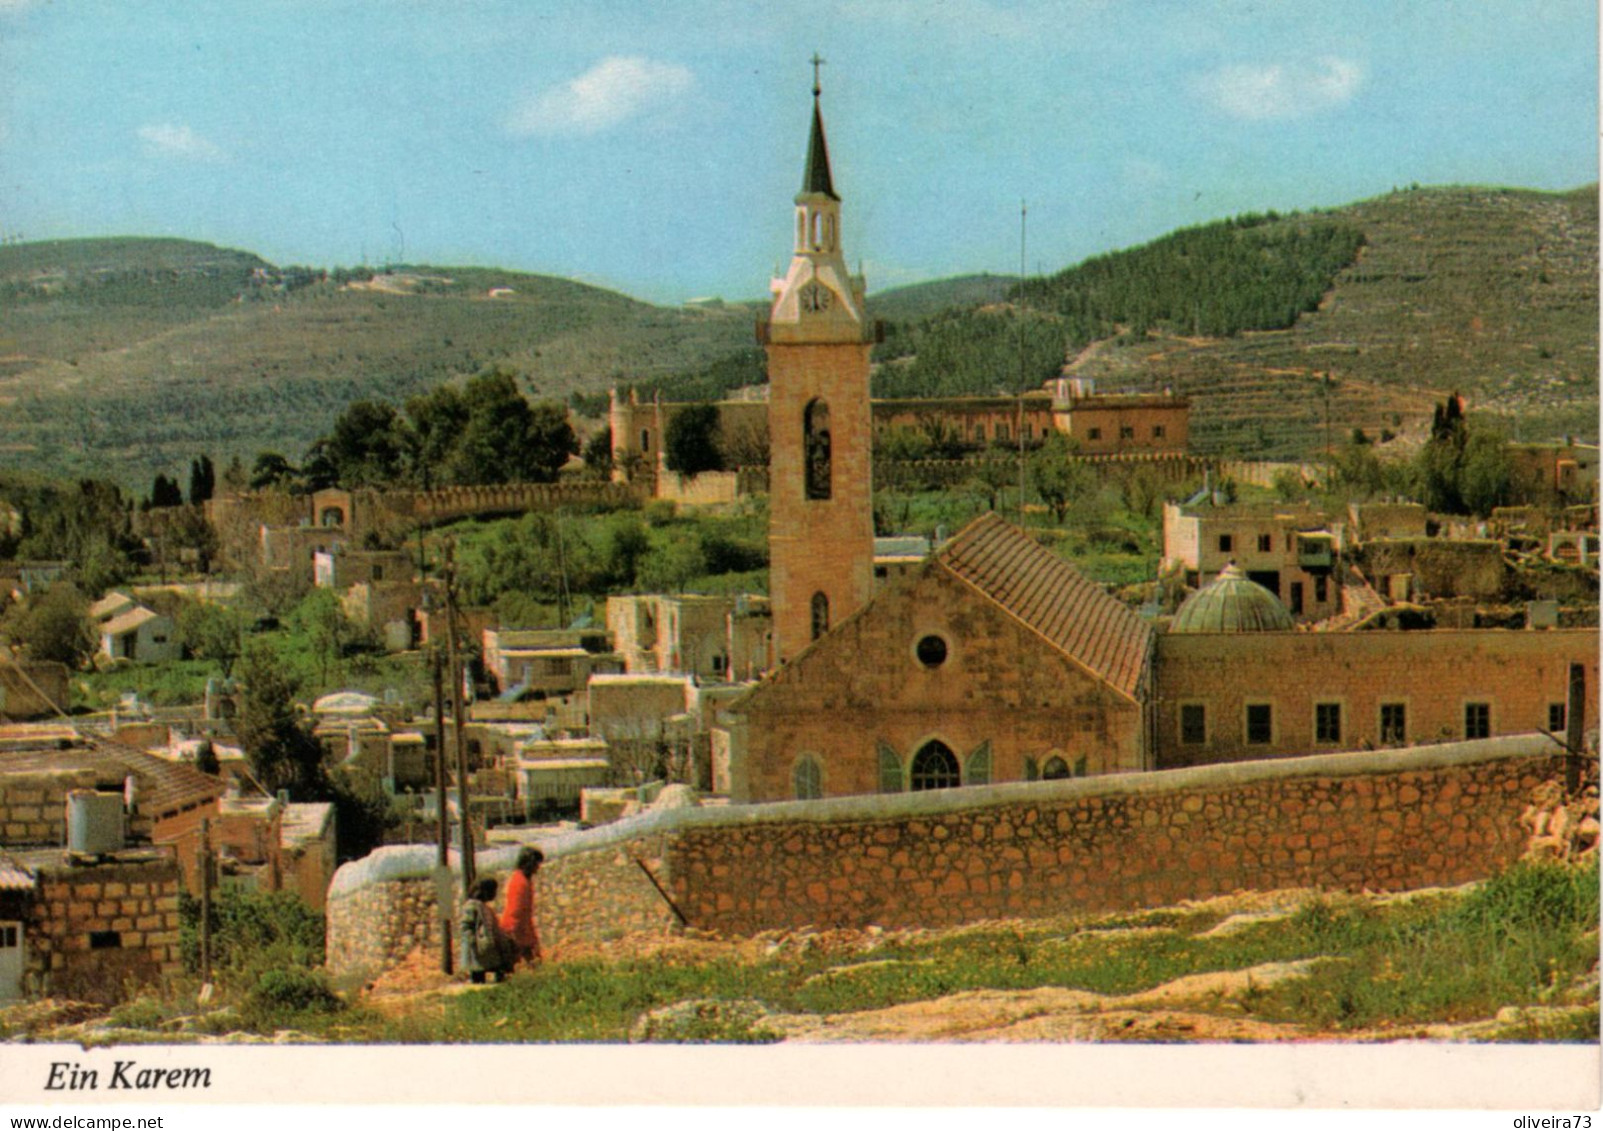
713,637
1236,682
1287,548
1119,423
544,663
140,634
86,923
995,661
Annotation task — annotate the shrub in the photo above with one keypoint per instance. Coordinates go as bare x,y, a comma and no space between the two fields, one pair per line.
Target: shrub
291,989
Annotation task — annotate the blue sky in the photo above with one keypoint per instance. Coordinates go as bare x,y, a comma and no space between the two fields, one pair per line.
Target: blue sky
654,147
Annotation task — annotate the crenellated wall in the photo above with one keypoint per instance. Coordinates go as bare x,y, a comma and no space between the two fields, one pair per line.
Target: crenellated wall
1385,820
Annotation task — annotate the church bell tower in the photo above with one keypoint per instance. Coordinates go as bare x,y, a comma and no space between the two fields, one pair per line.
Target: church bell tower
820,431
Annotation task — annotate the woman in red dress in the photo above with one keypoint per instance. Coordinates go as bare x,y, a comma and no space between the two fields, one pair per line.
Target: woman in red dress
517,921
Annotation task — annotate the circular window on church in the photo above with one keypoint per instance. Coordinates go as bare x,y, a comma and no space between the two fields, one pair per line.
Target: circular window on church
931,651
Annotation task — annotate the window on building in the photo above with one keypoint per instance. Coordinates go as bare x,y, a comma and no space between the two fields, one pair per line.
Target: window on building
1266,543
935,767
979,432
977,766
1024,430
1226,543
1093,434
1296,598
378,573
931,651
816,449
807,779
645,440
820,614
1477,720
1321,589
890,770
1055,769
1393,723
105,940
9,938
1260,724
882,572
1556,717
1126,432
1157,432
1001,433
1327,722
1193,724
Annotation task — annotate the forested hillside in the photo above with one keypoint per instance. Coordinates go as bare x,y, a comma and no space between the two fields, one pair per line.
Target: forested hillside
1399,300
132,357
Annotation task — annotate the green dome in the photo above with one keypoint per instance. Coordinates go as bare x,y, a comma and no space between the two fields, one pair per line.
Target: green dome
1232,603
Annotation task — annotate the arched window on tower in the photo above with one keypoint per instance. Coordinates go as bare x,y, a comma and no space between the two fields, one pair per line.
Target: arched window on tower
935,767
818,223
820,614
816,449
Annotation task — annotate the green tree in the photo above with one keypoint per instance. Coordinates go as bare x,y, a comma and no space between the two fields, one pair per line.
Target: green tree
322,623
367,446
690,442
279,746
53,625
1057,477
436,420
202,480
505,439
598,453
271,470
1486,476
215,633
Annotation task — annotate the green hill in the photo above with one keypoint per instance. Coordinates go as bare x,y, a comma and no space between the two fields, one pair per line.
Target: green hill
129,357
1401,299
921,300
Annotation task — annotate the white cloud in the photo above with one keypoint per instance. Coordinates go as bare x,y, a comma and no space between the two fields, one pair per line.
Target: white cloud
616,89
1271,91
168,140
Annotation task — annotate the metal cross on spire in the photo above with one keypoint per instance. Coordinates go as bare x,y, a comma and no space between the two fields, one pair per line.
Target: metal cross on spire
817,61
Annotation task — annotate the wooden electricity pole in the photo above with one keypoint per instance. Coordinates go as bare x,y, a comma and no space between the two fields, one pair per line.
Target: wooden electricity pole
466,833
203,861
442,826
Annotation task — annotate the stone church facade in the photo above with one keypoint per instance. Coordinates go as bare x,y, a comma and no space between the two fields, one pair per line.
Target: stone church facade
994,661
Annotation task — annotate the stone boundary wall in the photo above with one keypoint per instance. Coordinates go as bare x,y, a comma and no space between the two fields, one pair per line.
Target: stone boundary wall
1170,466
1261,473
1383,820
383,907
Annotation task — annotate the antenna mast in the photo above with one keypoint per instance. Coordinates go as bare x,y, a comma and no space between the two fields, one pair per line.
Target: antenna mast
1023,213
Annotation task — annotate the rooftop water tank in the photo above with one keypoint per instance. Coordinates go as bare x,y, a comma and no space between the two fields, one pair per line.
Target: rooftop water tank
94,822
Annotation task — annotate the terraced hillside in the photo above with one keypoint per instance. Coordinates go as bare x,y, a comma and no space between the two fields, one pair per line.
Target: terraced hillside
129,357
1491,292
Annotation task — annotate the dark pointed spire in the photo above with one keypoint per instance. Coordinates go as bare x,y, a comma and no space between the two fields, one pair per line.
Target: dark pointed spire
816,178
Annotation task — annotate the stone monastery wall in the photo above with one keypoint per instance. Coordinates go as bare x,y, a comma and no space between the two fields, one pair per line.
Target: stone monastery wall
1386,820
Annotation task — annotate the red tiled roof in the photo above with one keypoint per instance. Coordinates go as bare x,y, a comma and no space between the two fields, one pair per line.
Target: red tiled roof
163,787
1053,598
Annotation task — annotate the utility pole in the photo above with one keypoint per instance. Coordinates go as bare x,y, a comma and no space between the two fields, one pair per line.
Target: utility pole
203,853
465,827
442,826
1023,215
1575,729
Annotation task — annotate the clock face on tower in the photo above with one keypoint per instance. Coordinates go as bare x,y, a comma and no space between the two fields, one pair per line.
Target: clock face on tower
816,297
